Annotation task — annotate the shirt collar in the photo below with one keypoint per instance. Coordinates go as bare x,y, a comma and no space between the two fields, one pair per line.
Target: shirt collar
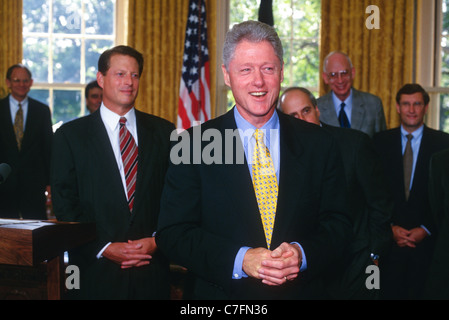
243,124
337,101
111,119
416,134
14,102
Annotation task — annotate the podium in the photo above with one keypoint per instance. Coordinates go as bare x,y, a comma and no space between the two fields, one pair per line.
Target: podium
32,256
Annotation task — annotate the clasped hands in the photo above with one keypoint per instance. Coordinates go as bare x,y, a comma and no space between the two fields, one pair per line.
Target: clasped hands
275,267
134,253
408,238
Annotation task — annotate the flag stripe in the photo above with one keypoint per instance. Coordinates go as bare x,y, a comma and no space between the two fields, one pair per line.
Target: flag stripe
194,91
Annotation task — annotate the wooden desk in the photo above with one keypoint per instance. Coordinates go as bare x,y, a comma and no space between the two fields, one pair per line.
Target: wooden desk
31,256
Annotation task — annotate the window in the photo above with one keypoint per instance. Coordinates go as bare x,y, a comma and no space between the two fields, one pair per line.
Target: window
432,65
444,67
62,41
298,25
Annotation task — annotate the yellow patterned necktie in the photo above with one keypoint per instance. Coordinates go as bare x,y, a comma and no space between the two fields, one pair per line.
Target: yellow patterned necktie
265,184
18,126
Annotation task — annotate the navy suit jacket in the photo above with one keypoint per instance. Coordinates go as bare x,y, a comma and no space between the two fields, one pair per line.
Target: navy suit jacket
210,211
23,193
86,187
416,211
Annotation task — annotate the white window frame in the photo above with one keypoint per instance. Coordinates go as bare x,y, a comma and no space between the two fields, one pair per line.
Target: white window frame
428,56
119,36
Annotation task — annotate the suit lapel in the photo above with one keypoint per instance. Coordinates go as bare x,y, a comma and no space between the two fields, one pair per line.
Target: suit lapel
327,110
7,126
101,147
33,121
358,110
291,167
422,160
238,186
147,157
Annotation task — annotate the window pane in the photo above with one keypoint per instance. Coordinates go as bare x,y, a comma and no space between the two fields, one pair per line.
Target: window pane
243,10
65,58
35,15
35,53
94,48
67,105
298,24
40,95
306,19
67,16
445,61
99,17
301,64
66,61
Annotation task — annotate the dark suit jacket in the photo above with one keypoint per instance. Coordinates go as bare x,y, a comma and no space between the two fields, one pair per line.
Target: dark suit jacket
438,277
370,205
23,193
209,212
367,112
86,186
416,211
406,267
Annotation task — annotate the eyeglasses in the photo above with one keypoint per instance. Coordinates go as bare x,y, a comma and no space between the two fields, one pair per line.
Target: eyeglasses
344,74
24,81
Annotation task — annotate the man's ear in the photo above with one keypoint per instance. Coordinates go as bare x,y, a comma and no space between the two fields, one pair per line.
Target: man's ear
100,79
226,76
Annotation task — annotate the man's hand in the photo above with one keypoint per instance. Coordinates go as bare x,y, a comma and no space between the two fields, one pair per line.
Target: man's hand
408,238
134,253
273,267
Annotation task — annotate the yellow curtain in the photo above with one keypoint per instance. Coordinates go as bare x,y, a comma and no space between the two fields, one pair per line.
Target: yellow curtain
383,58
11,38
157,29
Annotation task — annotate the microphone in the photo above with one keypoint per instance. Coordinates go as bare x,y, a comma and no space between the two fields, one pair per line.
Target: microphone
5,170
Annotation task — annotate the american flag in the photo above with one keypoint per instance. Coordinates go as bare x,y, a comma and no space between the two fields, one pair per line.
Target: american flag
194,95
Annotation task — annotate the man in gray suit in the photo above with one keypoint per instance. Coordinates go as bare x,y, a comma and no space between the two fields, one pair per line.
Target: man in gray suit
345,106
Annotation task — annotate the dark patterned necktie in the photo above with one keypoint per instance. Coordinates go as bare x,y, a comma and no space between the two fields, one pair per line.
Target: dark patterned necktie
408,165
18,127
129,152
343,118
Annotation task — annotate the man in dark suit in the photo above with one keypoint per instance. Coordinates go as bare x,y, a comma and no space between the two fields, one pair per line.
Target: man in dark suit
437,286
213,220
361,110
25,144
369,201
93,181
405,152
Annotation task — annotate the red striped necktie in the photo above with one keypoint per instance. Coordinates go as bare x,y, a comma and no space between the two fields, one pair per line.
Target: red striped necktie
129,152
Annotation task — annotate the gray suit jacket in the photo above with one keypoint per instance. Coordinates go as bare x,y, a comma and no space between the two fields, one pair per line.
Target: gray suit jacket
367,112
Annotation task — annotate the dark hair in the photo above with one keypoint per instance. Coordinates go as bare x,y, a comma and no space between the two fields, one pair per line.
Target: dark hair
18,65
411,88
105,58
90,86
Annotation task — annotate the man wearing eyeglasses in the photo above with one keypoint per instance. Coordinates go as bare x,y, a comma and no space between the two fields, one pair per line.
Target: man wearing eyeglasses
25,144
345,106
406,152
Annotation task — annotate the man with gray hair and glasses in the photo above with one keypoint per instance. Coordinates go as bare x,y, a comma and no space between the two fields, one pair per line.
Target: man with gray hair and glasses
241,241
345,106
